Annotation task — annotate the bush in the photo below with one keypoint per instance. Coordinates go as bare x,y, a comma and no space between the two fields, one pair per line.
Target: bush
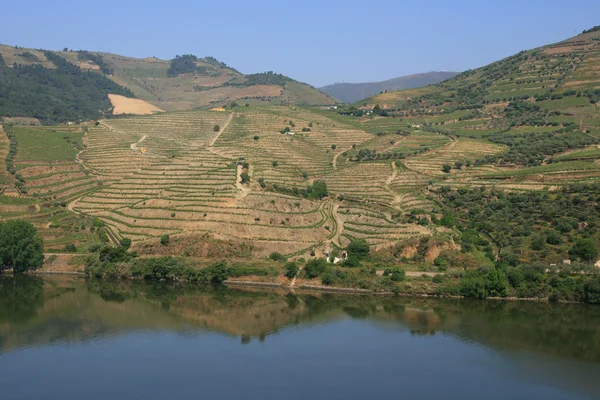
497,283
554,238
358,248
351,262
275,164
291,270
70,248
164,240
94,248
447,168
216,128
329,276
256,137
126,242
439,278
592,291
395,274
585,249
245,178
473,286
277,257
315,267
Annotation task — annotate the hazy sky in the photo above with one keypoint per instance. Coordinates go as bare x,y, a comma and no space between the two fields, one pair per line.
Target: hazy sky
317,42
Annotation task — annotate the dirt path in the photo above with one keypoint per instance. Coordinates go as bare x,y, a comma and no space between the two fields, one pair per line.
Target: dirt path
339,225
135,145
211,145
244,189
393,175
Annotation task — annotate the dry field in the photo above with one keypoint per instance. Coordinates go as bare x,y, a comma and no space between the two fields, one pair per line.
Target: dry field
124,105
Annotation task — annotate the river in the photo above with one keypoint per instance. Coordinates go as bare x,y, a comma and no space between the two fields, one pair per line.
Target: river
68,338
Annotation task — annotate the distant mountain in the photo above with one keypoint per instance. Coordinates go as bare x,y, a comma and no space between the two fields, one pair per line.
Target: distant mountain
353,92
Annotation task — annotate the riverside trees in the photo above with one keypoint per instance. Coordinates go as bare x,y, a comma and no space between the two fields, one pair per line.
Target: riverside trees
20,246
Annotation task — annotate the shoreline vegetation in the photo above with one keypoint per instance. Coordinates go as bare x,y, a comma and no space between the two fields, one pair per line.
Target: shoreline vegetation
357,270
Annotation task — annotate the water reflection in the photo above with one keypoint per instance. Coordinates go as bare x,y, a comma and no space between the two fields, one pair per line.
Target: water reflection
35,311
555,346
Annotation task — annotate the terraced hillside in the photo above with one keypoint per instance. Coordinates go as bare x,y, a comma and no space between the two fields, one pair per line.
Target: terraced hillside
247,181
542,105
181,174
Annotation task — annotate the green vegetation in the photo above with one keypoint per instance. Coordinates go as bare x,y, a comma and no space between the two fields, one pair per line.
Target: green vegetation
20,246
53,95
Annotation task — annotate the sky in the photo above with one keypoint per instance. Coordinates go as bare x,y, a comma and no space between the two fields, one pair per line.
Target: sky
317,42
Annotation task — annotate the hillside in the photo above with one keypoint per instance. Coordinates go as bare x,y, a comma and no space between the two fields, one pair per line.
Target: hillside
189,82
353,92
43,85
496,165
186,82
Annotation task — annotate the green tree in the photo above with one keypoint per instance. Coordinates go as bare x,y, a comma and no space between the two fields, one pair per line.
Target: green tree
554,238
164,240
447,168
585,249
319,189
21,247
275,163
126,242
497,283
333,147
216,128
315,267
447,220
358,249
291,270
245,177
218,272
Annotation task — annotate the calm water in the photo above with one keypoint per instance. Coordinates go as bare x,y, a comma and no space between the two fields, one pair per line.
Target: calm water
64,338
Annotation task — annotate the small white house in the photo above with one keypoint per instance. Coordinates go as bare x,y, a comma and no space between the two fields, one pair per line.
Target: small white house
291,133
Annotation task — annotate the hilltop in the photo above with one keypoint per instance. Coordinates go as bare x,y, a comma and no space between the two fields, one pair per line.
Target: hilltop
47,84
353,92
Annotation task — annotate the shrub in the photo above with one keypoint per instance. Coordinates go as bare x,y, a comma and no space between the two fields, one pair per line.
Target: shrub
396,274
94,248
164,240
358,248
126,242
245,178
585,249
333,147
592,291
315,267
554,238
351,262
439,278
473,286
256,137
275,164
329,276
70,248
216,128
497,283
291,270
447,168
277,257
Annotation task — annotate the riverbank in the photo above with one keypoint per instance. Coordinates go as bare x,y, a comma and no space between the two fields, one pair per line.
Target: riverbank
304,288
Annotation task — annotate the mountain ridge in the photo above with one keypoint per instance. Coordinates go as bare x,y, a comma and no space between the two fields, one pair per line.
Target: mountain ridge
350,92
